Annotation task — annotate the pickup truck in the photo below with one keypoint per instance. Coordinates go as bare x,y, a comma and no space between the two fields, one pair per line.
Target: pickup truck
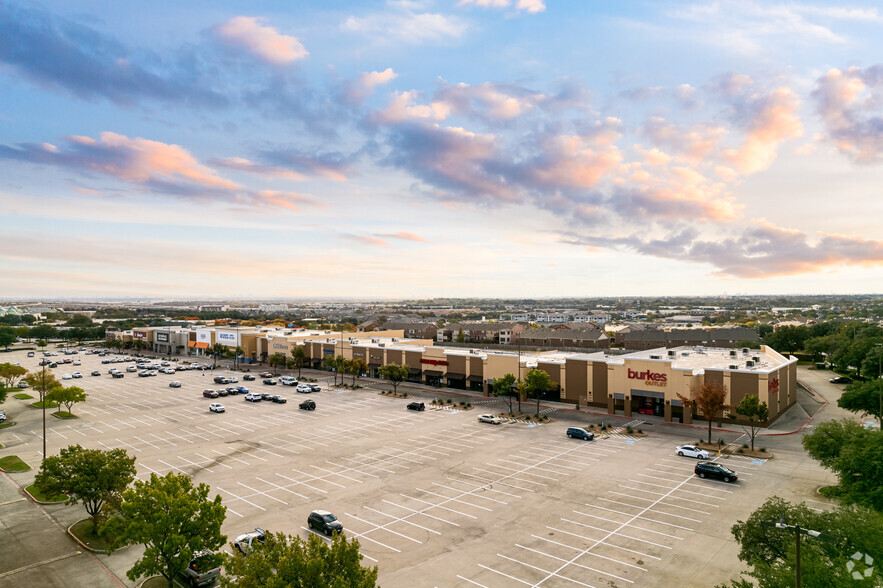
203,569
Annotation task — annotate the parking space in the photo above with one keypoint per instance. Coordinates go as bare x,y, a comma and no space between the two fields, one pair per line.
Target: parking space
432,493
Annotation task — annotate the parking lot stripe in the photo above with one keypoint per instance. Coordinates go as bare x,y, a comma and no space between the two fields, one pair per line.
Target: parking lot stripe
173,467
362,536
608,544
627,524
126,424
214,460
679,490
230,456
585,566
132,447
420,512
422,449
402,519
660,512
641,517
285,488
333,473
490,569
455,499
433,505
322,478
551,574
302,483
650,500
383,527
349,469
489,484
73,430
471,581
262,493
471,492
193,463
237,497
497,481
143,441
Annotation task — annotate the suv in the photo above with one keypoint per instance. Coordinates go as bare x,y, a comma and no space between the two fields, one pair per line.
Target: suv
248,378
707,469
209,393
315,387
221,380
304,389
579,433
324,521
307,405
244,542
253,397
269,382
416,406
288,381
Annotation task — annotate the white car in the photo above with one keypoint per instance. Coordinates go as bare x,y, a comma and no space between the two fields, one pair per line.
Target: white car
66,377
78,362
288,380
175,384
489,418
304,388
167,371
216,407
244,542
692,451
77,375
232,380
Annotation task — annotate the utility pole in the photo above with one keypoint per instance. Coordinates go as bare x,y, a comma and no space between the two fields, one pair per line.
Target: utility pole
880,382
797,532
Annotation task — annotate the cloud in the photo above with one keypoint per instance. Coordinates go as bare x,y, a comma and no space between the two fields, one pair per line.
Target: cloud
850,104
287,200
372,241
402,106
693,143
262,41
242,164
772,120
359,90
403,236
530,6
332,165
60,54
407,26
573,162
488,100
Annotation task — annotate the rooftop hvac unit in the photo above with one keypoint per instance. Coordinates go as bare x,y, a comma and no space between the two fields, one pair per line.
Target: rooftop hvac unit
374,340
672,353
749,363
732,353
382,345
745,350
733,366
655,357
756,358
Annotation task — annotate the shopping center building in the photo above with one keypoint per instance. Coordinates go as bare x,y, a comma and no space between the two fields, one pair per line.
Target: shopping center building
647,382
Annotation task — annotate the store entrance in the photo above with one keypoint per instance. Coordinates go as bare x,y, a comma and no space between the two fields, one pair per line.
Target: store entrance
648,402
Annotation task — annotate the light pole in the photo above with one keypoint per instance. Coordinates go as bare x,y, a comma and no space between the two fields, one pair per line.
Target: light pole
797,532
880,383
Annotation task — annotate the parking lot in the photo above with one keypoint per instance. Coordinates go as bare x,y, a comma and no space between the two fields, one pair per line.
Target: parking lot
435,497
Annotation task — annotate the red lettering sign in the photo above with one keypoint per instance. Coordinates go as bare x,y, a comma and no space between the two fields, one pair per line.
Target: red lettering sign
773,386
434,361
656,378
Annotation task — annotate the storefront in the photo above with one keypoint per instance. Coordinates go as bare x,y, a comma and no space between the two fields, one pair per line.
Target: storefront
648,402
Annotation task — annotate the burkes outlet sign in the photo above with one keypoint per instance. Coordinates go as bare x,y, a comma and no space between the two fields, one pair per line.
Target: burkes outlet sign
650,378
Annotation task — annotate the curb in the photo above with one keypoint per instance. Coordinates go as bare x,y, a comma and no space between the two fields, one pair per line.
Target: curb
86,547
25,490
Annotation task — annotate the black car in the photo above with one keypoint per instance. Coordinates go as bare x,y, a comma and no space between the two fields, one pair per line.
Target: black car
579,433
307,405
233,390
707,469
248,378
118,375
266,396
322,520
269,382
416,406
221,392
278,399
96,373
840,380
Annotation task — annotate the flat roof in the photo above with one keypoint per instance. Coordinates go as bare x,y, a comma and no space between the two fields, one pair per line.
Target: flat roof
714,358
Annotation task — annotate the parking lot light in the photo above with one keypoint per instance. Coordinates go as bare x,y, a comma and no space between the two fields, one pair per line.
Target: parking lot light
797,532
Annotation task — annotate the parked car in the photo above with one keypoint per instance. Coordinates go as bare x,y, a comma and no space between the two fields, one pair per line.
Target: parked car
691,451
221,380
308,404
244,542
76,375
118,375
265,395
132,369
203,569
167,370
288,381
234,390
840,380
23,384
232,380
253,397
489,418
2,416
269,382
324,521
241,389
266,374
278,399
175,384
209,393
221,392
708,469
315,387
303,389
78,362
96,373
66,377
165,364
579,433
248,378
30,354
216,407
416,406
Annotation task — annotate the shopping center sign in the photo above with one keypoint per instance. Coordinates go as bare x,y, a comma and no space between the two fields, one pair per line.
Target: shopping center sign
649,378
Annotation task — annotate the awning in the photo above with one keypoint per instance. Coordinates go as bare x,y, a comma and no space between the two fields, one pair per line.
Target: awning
433,373
374,365
415,371
201,345
478,379
453,376
191,343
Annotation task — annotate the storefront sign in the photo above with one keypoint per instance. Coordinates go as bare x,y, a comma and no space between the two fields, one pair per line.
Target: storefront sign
162,337
204,336
649,378
328,351
434,361
139,334
358,355
279,346
773,386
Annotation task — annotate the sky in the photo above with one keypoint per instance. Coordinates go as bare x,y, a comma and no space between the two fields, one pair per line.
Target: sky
439,148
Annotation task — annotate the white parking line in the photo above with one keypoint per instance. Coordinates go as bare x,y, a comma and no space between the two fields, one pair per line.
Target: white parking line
236,497
384,527
585,566
631,525
660,512
608,544
550,574
476,495
420,512
262,493
490,569
302,483
455,499
402,519
216,462
650,500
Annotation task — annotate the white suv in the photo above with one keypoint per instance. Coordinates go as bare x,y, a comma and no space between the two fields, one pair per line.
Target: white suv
244,542
288,380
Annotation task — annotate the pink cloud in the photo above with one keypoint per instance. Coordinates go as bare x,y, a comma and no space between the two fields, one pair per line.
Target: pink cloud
287,200
403,236
849,104
496,101
530,6
774,121
373,241
264,42
573,162
242,164
402,106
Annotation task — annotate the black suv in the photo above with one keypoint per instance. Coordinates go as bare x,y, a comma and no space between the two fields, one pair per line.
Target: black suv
324,521
416,406
579,433
307,405
707,469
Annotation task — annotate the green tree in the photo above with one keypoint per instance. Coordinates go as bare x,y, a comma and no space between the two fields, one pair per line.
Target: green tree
7,336
79,320
10,374
357,367
90,476
709,398
460,337
536,383
217,350
300,358
4,392
67,396
276,360
395,373
505,386
139,344
239,353
862,397
43,332
41,343
771,552
754,411
284,561
787,339
173,519
855,455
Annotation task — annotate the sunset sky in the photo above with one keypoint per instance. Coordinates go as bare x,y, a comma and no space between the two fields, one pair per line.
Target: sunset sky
400,149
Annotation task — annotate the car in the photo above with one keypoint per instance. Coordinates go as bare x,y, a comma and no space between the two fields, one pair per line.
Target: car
165,364
30,354
78,362
234,390
303,389
151,373
248,378
579,433
709,469
118,375
96,373
307,404
221,380
315,387
232,380
131,369
416,406
2,416
278,399
288,381
244,542
265,395
489,418
52,364
175,384
241,389
76,375
322,520
269,382
209,393
216,407
22,385
840,380
221,392
691,451
167,370
253,397
203,569
66,377
144,374
266,374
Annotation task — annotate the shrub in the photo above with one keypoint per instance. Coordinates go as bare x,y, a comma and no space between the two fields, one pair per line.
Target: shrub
462,403
745,446
640,431
468,405
449,401
628,430
763,449
741,450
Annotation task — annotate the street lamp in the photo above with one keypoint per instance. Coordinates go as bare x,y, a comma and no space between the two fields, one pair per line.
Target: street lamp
880,383
797,532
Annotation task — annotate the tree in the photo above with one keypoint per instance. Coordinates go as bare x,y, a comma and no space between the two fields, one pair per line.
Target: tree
460,337
4,392
41,343
300,358
79,320
536,383
11,373
7,336
284,561
855,454
771,552
338,362
276,360
43,332
217,350
710,398
90,476
356,367
173,519
862,397
787,339
239,353
504,387
393,372
754,411
67,396
139,344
